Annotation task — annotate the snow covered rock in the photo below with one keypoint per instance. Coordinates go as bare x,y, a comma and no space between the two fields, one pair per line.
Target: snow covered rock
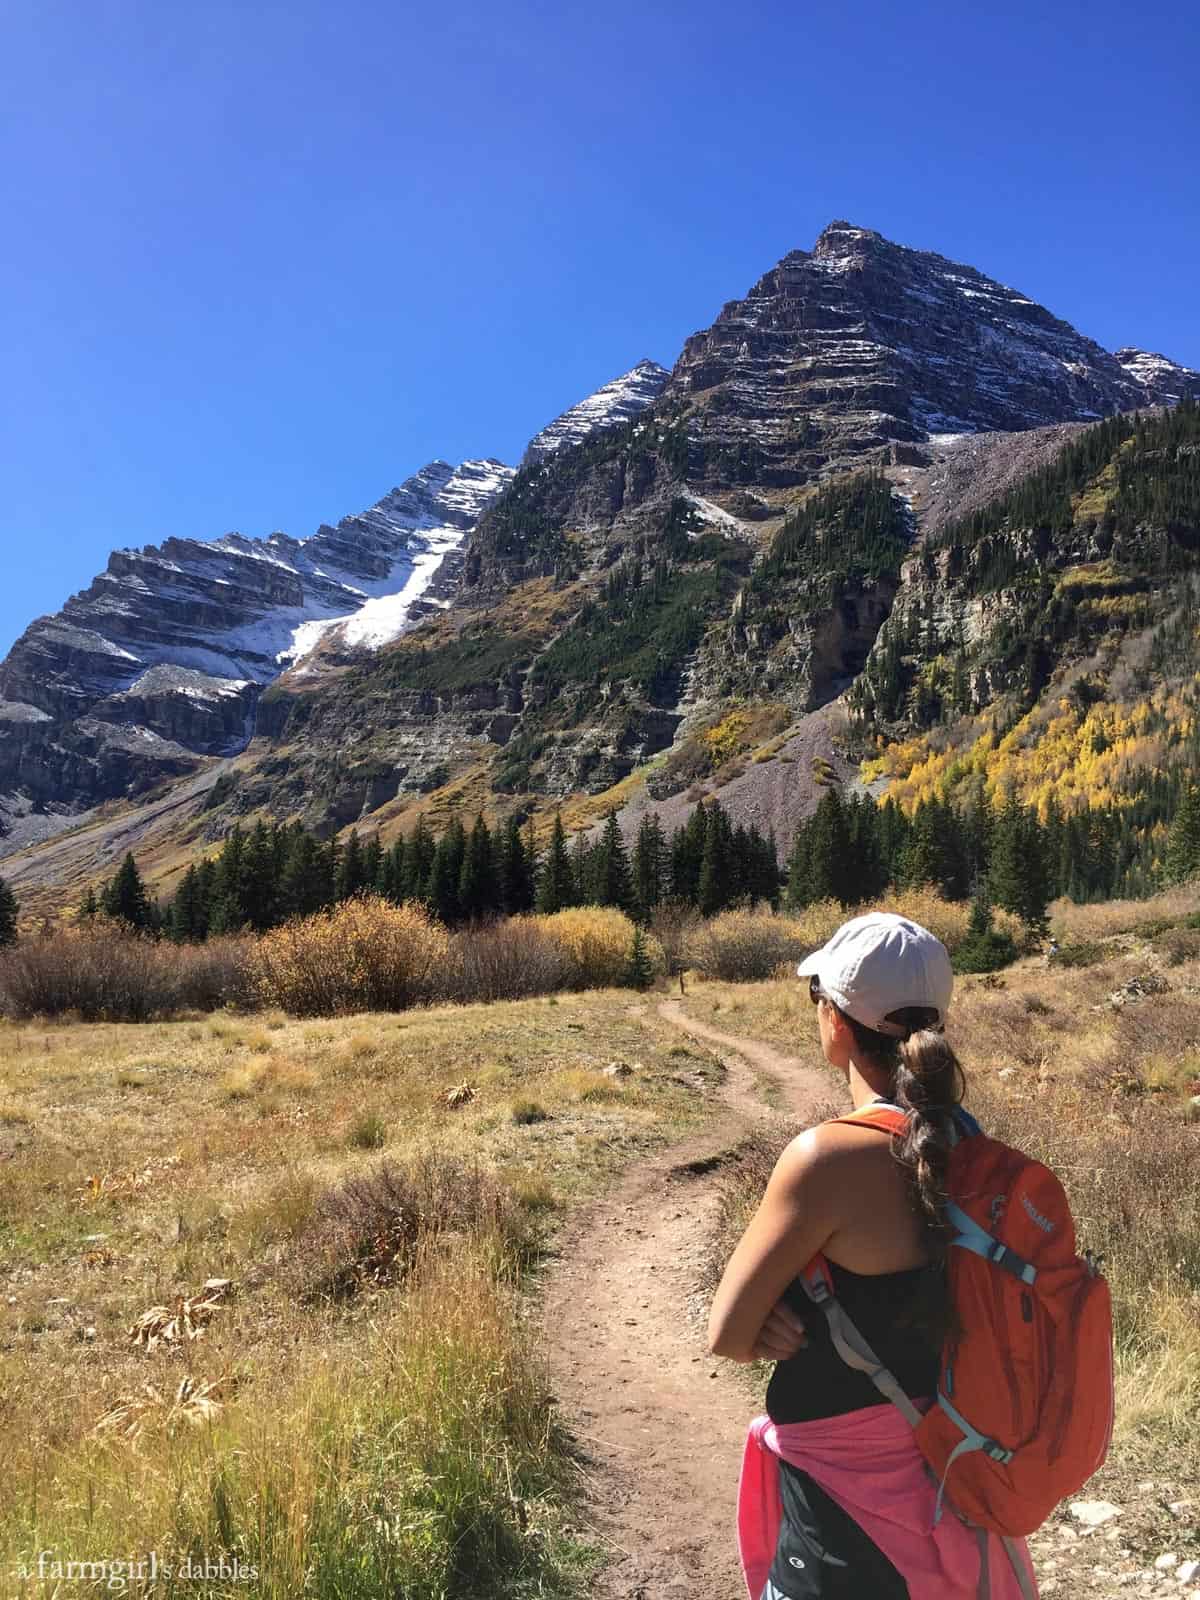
616,402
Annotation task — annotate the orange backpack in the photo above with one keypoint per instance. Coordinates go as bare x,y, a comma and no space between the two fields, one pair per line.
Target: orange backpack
1024,1409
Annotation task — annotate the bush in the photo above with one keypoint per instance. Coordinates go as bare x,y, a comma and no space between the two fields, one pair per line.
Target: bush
102,973
504,961
596,941
747,946
987,953
370,1230
364,955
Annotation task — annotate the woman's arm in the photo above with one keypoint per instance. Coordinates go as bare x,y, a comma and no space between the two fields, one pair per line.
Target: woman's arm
795,1218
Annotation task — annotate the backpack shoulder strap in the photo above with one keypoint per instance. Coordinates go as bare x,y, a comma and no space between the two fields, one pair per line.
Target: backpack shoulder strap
880,1114
851,1346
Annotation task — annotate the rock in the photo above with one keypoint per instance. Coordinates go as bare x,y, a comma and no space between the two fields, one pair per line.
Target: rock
1187,1571
618,1069
615,403
1167,1559
1093,1513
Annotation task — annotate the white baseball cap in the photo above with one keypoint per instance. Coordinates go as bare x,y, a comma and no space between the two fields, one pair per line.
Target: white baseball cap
880,963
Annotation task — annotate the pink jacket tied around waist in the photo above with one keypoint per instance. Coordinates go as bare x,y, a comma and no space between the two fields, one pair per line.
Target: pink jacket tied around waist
868,1462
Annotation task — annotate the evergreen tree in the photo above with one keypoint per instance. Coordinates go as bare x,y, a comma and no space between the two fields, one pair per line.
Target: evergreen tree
88,906
124,898
610,880
352,870
583,887
830,876
9,907
1183,841
715,887
418,863
303,884
687,856
374,880
187,921
257,878
649,867
556,888
446,874
516,873
478,887
639,971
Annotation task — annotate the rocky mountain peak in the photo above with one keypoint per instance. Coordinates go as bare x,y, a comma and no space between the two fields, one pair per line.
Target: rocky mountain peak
615,402
838,352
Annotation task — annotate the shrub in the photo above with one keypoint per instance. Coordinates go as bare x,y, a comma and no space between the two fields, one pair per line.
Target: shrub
596,941
746,946
525,1111
102,973
367,1132
504,961
364,955
371,1229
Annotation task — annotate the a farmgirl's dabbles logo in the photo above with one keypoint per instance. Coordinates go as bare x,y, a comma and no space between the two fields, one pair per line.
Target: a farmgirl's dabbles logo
116,1575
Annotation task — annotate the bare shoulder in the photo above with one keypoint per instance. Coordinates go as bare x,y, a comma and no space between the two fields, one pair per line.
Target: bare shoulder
828,1151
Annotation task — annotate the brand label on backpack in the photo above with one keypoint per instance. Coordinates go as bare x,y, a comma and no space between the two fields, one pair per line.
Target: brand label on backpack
1043,1223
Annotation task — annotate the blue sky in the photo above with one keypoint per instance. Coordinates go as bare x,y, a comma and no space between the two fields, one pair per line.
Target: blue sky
263,261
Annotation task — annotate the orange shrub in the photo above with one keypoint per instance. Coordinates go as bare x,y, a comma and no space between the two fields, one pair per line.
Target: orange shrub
597,941
364,955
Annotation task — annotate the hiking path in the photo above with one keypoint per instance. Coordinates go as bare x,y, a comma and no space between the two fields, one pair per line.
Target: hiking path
660,1422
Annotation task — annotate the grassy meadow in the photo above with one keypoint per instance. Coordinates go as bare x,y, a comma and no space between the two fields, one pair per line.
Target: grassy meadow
364,1413
348,1213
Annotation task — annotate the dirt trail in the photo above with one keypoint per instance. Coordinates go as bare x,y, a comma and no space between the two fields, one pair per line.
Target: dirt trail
661,1422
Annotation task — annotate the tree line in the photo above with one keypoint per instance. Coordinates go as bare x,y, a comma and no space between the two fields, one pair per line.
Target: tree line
852,851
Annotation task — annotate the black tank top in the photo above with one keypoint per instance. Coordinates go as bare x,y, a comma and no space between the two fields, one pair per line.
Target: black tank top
901,1315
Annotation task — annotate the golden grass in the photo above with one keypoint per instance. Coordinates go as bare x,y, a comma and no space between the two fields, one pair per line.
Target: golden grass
138,1161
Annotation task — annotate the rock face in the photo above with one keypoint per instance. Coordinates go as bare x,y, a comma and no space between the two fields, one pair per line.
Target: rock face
616,402
838,351
161,660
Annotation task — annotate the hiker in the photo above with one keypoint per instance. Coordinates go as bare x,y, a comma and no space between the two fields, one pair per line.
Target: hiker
836,1500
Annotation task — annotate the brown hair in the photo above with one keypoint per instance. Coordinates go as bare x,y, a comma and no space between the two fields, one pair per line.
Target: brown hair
928,1082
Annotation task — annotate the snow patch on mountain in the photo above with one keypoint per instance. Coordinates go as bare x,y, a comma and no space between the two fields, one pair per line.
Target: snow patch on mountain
614,403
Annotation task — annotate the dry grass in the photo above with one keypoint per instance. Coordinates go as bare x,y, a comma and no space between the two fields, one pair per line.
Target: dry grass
376,1421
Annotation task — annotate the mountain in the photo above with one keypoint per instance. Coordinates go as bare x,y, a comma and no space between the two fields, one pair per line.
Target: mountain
692,597
616,402
162,658
841,350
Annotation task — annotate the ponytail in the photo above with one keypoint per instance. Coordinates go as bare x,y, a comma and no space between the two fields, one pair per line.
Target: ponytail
927,1082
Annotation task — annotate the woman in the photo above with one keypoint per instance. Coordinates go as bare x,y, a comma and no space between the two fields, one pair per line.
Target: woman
833,1470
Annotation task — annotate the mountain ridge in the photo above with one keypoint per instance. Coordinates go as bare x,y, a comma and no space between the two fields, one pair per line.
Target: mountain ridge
602,608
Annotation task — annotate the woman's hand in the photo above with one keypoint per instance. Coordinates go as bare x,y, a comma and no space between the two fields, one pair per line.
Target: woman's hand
783,1333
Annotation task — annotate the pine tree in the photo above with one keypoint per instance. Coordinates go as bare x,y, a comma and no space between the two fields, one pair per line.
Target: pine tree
446,873
649,866
715,887
124,898
639,970
186,921
829,870
516,877
351,879
478,888
555,882
611,885
303,885
1183,841
9,908
88,906
257,879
